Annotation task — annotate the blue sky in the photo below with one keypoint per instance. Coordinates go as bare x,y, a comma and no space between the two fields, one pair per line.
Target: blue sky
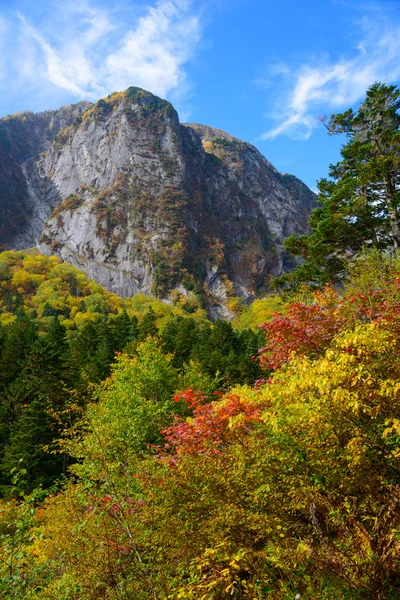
262,70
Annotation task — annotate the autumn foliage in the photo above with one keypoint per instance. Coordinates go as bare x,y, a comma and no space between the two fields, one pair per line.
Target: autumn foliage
213,424
149,454
305,329
308,327
290,488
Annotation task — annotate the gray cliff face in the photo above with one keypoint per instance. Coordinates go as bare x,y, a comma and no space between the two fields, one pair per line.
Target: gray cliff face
23,206
144,204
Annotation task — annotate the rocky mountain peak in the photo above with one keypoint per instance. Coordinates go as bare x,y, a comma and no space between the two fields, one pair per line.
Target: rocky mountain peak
144,204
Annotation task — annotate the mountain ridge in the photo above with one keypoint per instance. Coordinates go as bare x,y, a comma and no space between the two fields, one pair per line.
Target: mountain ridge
143,203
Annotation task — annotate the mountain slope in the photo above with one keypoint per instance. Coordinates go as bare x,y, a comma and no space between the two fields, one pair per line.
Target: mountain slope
143,203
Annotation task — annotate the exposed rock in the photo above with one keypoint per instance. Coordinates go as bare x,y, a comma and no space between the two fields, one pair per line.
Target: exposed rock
143,203
23,137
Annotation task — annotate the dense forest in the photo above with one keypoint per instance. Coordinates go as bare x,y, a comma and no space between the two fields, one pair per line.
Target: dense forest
60,334
148,453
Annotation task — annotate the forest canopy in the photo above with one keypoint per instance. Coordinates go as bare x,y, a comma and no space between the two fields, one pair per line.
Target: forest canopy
180,487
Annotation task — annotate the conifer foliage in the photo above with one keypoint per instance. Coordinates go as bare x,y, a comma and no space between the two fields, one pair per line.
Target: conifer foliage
360,201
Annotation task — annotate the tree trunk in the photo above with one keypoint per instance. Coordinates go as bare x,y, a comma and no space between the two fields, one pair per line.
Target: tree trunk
394,217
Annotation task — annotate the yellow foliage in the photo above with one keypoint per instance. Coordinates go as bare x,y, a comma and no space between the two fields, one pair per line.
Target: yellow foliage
7,318
208,146
257,313
45,281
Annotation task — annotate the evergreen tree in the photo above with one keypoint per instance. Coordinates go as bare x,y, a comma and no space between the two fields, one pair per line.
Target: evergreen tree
18,339
179,337
25,422
13,400
123,330
92,353
31,433
45,372
360,203
148,326
134,330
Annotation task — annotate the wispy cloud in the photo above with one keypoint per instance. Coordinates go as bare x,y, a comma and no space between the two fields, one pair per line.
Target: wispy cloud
69,70
321,85
88,50
155,52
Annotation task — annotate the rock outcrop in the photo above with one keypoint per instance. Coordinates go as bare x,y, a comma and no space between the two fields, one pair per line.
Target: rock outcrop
145,204
23,137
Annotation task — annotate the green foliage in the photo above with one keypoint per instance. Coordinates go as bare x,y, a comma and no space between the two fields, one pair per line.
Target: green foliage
16,522
134,405
220,350
360,203
60,336
28,438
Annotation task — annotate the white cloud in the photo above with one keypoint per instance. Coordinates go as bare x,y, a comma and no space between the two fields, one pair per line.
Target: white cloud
323,85
65,72
80,50
154,53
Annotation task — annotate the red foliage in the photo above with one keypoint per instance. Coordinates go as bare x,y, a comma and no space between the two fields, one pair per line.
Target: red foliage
309,329
305,329
382,304
211,425
193,399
